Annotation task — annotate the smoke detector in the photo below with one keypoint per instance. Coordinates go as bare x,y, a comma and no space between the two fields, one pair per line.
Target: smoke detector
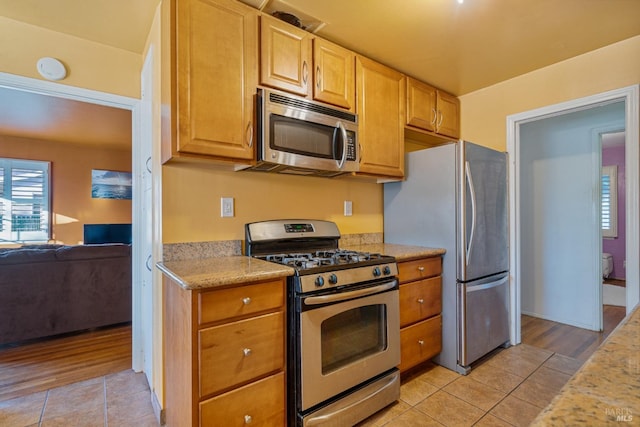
51,68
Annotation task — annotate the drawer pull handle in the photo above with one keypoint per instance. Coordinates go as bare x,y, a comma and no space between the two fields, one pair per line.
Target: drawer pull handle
421,342
247,352
420,301
246,301
420,268
248,419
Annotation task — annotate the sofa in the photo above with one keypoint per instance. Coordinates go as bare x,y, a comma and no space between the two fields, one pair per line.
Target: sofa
48,290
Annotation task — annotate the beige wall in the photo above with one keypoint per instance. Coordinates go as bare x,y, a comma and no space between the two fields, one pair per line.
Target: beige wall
484,112
191,202
71,165
89,65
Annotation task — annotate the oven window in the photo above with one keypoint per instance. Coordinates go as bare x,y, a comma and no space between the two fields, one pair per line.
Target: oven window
352,335
301,137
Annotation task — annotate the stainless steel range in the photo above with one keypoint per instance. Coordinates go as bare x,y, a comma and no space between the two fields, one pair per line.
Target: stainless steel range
343,322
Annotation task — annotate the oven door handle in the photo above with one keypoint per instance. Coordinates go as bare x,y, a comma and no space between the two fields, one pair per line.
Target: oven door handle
343,296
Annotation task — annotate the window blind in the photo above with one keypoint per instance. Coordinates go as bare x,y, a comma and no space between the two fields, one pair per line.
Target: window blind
24,200
609,201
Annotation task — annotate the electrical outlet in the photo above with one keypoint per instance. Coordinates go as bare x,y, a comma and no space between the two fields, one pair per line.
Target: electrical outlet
226,207
348,208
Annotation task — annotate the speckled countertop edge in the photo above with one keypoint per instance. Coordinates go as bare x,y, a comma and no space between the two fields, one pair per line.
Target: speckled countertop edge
400,252
219,264
222,271
606,390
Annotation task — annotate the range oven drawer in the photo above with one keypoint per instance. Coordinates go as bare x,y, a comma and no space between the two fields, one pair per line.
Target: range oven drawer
238,352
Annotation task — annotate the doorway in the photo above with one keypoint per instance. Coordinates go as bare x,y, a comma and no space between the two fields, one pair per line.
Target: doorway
120,102
519,255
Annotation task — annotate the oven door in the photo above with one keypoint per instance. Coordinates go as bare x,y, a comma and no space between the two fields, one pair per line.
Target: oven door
346,339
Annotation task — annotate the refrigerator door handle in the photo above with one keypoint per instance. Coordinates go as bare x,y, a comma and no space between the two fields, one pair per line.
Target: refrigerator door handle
472,192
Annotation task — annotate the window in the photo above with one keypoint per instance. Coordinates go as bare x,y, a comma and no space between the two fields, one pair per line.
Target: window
609,199
24,201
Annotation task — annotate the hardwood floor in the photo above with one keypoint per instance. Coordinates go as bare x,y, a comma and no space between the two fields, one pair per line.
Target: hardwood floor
568,340
51,363
615,282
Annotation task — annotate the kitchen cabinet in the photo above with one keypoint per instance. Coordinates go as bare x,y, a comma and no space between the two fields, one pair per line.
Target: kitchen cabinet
380,94
432,110
210,57
295,61
420,310
224,354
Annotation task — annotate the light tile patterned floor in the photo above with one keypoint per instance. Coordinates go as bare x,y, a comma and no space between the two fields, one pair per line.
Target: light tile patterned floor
121,400
509,388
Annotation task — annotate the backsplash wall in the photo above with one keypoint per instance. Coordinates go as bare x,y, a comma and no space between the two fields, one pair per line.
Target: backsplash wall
191,202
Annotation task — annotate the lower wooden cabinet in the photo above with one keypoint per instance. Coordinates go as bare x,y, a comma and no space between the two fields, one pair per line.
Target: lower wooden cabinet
258,404
420,310
420,342
224,355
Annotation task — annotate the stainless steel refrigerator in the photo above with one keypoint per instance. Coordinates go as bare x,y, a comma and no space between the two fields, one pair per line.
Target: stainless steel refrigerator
455,197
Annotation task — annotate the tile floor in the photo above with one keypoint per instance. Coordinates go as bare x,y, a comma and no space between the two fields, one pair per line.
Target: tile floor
508,389
117,400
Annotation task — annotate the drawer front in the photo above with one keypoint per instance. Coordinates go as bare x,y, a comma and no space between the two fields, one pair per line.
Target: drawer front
420,300
243,300
257,404
420,342
238,352
419,269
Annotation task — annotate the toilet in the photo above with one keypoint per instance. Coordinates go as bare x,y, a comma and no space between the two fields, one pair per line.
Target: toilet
607,264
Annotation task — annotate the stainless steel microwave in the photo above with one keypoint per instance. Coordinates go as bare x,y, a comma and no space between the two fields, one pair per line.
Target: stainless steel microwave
302,137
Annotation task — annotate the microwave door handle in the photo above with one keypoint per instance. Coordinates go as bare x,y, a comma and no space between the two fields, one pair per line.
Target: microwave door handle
343,132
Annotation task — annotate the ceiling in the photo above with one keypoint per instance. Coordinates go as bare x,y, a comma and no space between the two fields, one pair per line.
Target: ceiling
459,48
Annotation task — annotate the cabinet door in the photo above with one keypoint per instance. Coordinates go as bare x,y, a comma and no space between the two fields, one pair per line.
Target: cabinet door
420,300
216,51
448,115
421,105
420,342
285,56
380,107
334,74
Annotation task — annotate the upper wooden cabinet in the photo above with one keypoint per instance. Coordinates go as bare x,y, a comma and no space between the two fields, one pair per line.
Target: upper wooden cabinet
432,110
285,56
295,61
210,54
380,108
334,74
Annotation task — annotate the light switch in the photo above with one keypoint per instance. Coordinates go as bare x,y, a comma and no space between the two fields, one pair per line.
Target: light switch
226,207
348,208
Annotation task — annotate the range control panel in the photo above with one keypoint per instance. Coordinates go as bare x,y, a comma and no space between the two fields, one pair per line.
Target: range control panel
298,228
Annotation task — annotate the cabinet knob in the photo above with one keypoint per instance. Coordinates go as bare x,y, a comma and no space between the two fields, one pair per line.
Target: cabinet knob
420,268
248,419
421,342
420,301
247,352
246,301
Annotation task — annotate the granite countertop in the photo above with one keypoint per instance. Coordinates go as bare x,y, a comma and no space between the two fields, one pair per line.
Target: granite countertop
606,390
400,252
231,270
202,273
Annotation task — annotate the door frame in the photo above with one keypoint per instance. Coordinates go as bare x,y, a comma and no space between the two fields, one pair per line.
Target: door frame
630,95
59,90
